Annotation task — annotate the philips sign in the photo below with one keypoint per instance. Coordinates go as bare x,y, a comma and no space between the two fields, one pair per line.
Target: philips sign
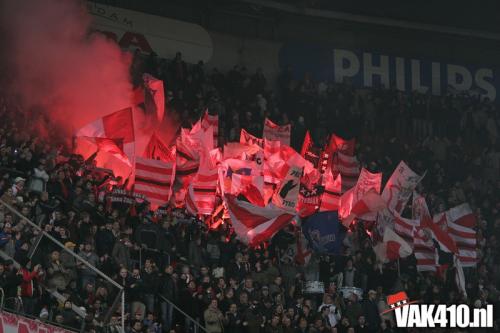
368,69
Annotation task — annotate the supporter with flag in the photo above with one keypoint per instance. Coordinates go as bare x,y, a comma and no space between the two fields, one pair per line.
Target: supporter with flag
324,232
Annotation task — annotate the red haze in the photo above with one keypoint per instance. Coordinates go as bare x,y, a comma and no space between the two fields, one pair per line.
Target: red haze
57,67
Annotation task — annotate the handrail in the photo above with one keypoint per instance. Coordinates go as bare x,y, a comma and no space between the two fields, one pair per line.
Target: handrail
2,299
163,298
95,269
54,293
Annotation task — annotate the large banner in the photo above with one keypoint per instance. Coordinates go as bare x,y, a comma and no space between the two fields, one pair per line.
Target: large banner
368,69
11,323
274,132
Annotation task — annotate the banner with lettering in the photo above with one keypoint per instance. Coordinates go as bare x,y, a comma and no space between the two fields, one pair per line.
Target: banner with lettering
11,323
274,132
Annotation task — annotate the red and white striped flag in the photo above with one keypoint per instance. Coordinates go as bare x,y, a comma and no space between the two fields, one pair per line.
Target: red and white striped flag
154,179
405,227
203,187
424,249
348,167
330,199
118,126
461,221
275,132
254,224
423,246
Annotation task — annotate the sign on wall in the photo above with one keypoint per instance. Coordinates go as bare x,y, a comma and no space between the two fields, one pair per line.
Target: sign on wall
135,30
369,69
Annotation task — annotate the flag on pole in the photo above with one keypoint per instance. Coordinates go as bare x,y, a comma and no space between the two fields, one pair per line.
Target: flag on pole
154,179
118,126
324,232
203,187
392,248
306,145
286,195
309,200
399,187
157,149
461,221
338,144
209,120
365,208
254,224
330,199
348,166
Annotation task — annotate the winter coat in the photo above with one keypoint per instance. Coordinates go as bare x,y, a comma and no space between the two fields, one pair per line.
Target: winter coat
213,320
56,275
121,255
38,180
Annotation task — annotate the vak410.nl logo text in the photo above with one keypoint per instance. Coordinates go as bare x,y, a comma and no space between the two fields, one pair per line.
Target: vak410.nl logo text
411,314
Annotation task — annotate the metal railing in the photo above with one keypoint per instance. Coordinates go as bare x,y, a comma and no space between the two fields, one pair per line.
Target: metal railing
196,324
78,257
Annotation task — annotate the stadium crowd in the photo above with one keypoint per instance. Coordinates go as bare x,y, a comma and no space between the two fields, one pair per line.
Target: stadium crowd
209,274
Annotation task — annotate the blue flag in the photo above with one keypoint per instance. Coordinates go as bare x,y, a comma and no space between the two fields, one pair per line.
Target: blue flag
324,232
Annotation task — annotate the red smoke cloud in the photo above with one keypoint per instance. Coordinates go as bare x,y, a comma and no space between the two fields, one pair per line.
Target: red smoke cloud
64,76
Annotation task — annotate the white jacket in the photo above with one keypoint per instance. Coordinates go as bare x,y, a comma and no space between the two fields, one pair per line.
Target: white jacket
38,180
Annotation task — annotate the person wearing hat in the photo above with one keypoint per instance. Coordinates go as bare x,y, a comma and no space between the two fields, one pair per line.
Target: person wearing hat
18,186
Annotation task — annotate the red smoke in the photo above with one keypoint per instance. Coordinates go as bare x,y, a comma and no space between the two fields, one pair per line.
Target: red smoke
64,76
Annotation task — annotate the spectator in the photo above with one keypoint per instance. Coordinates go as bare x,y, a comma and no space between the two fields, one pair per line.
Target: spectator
213,318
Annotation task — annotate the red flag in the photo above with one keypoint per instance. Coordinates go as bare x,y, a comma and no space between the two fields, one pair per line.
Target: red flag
306,145
111,146
338,144
118,125
248,139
